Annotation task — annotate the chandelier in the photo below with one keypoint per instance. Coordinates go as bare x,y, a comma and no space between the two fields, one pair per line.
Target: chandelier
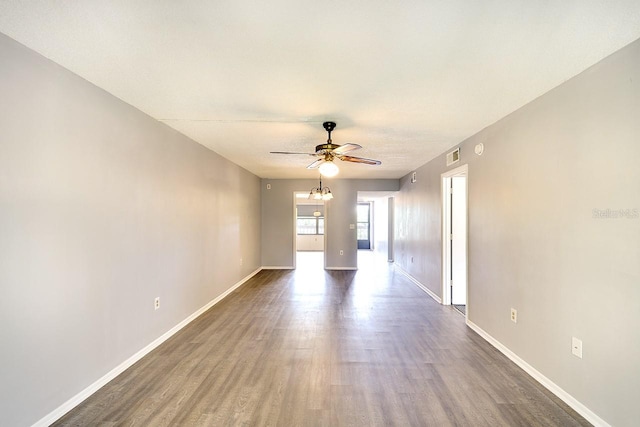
320,192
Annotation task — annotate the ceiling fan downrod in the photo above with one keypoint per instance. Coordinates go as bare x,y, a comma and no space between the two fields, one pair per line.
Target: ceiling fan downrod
329,127
329,146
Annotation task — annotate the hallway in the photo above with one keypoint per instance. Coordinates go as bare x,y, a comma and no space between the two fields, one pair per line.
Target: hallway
326,348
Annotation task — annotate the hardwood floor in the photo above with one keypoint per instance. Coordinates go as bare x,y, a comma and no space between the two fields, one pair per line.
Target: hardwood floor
325,348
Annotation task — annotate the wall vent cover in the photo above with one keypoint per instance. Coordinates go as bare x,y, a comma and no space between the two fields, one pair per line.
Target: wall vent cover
453,157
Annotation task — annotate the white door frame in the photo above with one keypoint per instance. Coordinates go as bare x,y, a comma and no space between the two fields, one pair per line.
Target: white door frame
295,229
446,241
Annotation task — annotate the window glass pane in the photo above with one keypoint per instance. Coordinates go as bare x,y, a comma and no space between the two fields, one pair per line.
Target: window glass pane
306,225
320,225
363,213
363,231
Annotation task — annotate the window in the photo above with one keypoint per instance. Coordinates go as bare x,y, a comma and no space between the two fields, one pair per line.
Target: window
310,225
364,226
363,221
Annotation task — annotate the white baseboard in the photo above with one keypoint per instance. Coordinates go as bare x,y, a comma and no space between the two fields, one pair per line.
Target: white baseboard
290,267
418,284
84,394
546,382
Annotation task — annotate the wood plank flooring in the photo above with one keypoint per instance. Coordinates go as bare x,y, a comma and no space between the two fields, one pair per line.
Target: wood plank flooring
325,348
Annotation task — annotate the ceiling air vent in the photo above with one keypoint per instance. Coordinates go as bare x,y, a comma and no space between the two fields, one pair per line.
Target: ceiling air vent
453,157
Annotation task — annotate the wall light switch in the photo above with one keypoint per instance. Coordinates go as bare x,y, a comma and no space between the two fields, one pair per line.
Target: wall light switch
352,226
268,186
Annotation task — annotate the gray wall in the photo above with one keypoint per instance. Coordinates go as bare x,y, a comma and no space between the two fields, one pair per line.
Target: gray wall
535,243
277,219
102,209
418,226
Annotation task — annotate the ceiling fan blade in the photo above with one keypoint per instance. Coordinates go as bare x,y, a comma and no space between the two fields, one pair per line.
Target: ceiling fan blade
291,152
315,164
359,160
345,148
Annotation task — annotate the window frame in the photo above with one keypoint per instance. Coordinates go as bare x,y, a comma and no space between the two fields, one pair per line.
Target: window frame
317,220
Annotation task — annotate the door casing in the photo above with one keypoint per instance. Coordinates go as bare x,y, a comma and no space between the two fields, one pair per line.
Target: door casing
462,171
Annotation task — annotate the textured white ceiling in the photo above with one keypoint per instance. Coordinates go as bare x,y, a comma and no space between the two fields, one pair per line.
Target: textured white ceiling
406,80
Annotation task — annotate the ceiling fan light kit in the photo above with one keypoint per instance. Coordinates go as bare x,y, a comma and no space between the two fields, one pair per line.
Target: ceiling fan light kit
326,153
329,169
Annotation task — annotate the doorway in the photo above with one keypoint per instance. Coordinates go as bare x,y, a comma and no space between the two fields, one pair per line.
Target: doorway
380,214
309,231
454,238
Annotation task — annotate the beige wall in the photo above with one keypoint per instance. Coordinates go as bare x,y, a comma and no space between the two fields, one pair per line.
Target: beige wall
102,209
535,243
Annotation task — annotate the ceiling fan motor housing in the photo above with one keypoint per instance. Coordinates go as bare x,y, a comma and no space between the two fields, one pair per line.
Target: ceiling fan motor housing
325,148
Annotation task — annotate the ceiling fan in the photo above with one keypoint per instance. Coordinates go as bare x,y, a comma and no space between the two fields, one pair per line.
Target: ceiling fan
326,153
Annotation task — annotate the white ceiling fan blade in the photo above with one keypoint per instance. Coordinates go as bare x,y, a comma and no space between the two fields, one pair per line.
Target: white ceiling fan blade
291,152
345,148
315,164
360,160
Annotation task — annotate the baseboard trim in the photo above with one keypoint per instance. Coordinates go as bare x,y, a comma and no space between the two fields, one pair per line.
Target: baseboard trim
418,284
341,268
275,267
546,382
84,394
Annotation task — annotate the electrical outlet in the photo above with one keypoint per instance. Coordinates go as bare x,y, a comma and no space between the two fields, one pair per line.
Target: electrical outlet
156,303
341,252
514,315
576,347
241,261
